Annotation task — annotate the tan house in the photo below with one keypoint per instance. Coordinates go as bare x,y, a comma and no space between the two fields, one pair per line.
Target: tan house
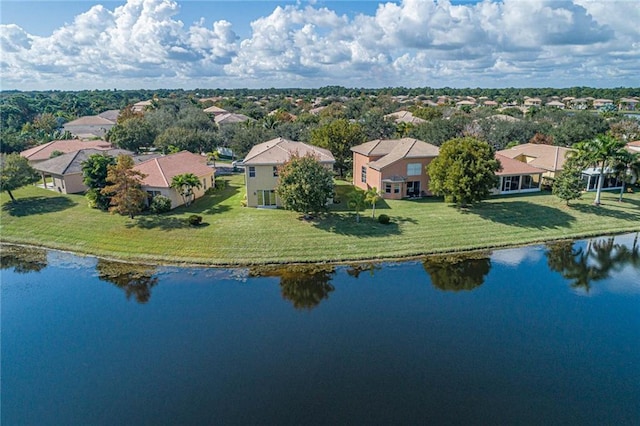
47,150
161,170
532,102
517,177
261,168
396,167
546,157
404,117
65,171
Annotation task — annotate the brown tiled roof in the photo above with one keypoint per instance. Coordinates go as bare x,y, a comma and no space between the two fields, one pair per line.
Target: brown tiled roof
215,110
405,117
393,150
71,162
161,170
44,151
90,120
229,118
515,167
546,157
280,150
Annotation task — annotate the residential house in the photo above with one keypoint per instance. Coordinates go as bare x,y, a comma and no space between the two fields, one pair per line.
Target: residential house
141,106
628,104
92,126
517,177
47,150
396,167
555,104
160,171
633,147
404,117
65,171
230,118
532,102
263,161
601,103
215,111
552,158
546,157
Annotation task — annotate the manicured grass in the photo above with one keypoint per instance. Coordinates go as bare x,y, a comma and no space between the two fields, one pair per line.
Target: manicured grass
235,235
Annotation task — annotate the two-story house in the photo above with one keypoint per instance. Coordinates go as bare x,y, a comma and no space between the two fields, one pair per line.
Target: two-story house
262,163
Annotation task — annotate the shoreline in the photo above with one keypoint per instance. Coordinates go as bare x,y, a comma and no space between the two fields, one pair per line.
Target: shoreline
193,263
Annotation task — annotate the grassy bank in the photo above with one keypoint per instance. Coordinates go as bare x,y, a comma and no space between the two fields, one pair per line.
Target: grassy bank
235,235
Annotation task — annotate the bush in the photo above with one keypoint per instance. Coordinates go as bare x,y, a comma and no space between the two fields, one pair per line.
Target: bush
160,204
195,220
384,219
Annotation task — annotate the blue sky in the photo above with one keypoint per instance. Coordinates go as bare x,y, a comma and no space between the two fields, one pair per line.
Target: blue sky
132,44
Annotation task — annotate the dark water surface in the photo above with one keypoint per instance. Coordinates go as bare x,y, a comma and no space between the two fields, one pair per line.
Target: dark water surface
537,335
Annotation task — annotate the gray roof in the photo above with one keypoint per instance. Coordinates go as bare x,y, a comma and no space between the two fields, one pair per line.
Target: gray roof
71,163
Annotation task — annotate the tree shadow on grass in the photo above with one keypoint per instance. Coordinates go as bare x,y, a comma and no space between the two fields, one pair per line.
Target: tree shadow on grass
164,223
347,225
604,210
37,205
522,214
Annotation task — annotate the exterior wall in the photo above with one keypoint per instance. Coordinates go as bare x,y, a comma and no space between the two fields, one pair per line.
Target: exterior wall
68,184
359,161
263,180
207,181
400,169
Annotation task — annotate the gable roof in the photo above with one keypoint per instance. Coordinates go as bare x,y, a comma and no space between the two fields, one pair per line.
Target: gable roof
111,114
90,120
71,162
280,150
161,170
392,150
546,157
515,167
44,151
405,117
230,118
215,110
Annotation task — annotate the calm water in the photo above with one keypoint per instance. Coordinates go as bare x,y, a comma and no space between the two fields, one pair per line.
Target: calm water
537,335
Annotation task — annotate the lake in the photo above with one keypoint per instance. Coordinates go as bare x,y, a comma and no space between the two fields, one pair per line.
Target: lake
546,334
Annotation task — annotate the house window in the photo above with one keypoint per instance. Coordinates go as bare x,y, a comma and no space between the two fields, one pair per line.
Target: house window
266,197
396,189
387,188
204,183
414,169
152,194
363,174
275,171
252,171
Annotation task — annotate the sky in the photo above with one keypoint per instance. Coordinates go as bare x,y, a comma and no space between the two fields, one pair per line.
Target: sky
188,44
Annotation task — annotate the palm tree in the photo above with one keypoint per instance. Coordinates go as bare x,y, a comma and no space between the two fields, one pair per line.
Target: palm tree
184,184
627,169
357,201
213,156
604,151
372,196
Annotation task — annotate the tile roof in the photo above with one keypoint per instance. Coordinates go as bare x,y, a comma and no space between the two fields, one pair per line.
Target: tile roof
399,149
44,151
71,162
405,117
280,150
161,170
90,120
516,167
229,118
546,157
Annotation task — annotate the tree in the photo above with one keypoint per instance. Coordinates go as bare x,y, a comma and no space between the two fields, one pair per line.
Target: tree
357,201
602,152
184,184
464,172
457,272
132,134
124,186
372,195
304,184
569,184
339,136
94,172
15,172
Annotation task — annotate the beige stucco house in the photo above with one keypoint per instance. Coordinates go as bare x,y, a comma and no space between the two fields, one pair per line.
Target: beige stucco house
547,157
261,168
517,177
161,170
396,167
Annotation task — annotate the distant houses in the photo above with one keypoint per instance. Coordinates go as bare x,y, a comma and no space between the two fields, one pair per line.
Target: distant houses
92,126
51,149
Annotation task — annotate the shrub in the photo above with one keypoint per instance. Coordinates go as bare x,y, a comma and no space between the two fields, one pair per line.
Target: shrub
384,219
160,204
195,220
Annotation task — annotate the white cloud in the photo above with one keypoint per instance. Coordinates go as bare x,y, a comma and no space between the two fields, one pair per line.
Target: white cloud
408,43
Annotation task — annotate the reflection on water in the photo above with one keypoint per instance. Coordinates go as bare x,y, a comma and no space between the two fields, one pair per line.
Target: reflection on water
303,285
455,272
136,280
22,259
355,270
582,266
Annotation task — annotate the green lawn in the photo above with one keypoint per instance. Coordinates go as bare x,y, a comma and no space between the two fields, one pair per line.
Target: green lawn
235,235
